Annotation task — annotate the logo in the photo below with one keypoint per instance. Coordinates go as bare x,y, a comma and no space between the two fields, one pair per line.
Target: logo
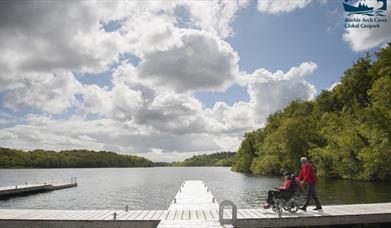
366,14
365,7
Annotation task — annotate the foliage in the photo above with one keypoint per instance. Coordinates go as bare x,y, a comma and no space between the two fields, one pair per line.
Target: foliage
216,159
345,132
10,158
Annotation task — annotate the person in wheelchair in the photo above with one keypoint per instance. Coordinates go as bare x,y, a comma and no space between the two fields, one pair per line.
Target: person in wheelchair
285,191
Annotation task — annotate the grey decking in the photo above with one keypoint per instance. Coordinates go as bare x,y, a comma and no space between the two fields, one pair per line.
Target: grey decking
33,188
194,207
330,215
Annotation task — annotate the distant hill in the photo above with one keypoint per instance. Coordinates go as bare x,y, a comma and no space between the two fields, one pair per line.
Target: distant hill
11,158
216,159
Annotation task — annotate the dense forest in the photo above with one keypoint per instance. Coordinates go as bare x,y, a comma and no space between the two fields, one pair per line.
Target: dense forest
10,158
345,132
216,159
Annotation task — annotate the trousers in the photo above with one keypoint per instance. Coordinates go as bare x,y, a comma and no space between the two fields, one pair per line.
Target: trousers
311,194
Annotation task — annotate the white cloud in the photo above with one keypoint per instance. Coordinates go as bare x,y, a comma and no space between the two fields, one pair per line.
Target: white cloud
361,39
125,101
48,36
284,6
215,16
96,100
166,122
201,62
270,92
120,103
52,93
146,31
4,135
102,134
231,120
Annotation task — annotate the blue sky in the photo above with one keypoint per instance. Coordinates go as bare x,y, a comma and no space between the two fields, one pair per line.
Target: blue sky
143,77
278,42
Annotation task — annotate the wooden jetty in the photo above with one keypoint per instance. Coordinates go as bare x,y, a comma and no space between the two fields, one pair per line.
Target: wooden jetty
195,206
10,191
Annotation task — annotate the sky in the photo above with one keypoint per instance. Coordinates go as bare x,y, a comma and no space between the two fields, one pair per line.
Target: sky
165,79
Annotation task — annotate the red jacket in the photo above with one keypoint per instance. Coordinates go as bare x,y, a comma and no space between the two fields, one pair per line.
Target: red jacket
307,174
286,184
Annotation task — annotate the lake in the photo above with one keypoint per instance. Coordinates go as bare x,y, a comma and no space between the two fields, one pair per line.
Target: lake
154,188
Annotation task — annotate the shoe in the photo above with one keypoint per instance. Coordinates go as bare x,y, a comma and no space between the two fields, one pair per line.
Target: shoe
317,208
267,206
303,208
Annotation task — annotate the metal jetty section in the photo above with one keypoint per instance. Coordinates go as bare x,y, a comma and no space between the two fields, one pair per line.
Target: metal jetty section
330,215
193,206
10,191
15,218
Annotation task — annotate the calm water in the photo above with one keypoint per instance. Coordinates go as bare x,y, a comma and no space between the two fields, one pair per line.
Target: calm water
154,188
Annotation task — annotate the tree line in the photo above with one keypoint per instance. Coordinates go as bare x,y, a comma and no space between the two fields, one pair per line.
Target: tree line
11,158
345,132
215,159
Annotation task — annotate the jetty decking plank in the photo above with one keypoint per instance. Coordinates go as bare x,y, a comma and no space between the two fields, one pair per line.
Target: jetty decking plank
171,215
193,215
207,214
68,214
149,215
200,215
95,214
128,215
9,213
164,215
49,215
186,215
157,215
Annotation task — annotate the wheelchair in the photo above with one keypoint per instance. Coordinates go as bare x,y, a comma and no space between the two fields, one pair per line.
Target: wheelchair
289,200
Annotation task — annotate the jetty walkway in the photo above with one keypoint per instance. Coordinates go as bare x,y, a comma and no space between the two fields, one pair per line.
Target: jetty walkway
195,206
15,190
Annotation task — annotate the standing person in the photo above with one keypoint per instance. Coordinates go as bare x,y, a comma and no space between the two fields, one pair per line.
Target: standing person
307,176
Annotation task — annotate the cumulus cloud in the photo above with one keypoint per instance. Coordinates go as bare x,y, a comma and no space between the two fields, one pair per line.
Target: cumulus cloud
201,62
276,7
164,122
270,92
174,113
102,134
145,31
46,36
51,93
365,38
215,16
230,120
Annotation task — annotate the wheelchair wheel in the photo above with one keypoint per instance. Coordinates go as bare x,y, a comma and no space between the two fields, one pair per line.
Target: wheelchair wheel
286,206
279,211
275,207
293,207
